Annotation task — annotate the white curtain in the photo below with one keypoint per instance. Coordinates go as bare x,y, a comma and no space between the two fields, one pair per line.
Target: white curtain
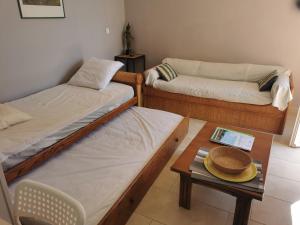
295,140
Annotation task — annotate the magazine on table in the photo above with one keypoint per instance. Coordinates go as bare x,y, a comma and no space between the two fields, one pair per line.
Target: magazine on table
199,172
233,138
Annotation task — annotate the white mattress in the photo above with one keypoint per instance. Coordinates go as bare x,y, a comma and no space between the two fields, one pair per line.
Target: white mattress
231,91
99,168
57,112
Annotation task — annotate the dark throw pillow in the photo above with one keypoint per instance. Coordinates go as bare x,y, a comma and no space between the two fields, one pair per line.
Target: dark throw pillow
267,82
166,72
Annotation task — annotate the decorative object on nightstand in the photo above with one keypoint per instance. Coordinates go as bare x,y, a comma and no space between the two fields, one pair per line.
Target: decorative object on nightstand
130,61
127,38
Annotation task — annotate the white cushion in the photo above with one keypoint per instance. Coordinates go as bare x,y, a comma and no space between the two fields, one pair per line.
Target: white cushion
95,73
223,71
151,75
225,90
10,116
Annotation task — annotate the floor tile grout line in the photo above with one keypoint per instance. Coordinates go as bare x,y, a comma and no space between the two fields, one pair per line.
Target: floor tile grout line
285,160
256,221
284,178
147,217
281,159
275,175
205,203
279,199
157,221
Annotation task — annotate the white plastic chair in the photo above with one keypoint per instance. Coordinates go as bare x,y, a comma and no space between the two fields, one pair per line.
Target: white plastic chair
46,204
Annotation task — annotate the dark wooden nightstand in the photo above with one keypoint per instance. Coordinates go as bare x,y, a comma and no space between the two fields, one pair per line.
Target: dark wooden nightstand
131,61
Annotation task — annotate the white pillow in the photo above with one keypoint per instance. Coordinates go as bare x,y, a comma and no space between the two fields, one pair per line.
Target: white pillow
151,76
95,73
10,116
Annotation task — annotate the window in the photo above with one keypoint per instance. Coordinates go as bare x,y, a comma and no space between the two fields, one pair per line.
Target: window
295,140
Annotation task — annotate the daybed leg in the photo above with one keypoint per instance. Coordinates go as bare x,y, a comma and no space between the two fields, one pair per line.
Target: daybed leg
139,82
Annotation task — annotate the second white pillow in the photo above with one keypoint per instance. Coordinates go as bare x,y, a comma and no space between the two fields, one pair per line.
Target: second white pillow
95,73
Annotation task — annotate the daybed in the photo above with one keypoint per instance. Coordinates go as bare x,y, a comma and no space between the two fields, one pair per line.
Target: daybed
61,116
108,170
223,93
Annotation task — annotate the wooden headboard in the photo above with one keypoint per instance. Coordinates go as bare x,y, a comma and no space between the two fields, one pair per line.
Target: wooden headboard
133,79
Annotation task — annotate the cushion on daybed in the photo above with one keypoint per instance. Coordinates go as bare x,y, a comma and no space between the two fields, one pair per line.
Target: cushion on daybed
246,74
95,73
231,91
10,116
166,72
267,82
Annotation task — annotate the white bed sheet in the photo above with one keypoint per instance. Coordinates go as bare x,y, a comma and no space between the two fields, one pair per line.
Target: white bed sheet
231,91
99,168
57,112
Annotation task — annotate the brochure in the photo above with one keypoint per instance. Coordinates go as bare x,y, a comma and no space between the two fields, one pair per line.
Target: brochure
233,138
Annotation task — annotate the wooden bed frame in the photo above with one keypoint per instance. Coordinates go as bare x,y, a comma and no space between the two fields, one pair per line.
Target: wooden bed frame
264,118
133,79
121,211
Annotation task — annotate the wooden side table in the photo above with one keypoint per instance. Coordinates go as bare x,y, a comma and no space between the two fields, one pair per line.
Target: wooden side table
260,151
131,60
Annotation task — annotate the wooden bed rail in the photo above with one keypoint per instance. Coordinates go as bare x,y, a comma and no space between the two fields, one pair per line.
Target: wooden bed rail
47,153
133,79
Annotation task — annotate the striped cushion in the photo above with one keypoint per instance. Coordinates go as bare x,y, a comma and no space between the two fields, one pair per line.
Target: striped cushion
166,72
267,82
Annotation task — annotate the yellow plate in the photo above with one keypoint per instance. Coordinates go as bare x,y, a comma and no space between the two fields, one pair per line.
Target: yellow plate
245,176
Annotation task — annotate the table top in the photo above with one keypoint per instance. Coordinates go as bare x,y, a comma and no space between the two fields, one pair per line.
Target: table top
134,56
260,150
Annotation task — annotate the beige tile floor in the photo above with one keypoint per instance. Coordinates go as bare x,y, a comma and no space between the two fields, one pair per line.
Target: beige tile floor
210,207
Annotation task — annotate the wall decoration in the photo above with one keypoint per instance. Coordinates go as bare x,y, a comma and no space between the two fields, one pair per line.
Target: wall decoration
41,8
127,40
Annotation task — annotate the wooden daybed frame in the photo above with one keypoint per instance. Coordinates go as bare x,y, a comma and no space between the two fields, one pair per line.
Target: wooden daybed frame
133,79
264,118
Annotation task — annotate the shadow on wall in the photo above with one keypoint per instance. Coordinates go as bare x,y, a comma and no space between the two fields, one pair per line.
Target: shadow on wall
71,71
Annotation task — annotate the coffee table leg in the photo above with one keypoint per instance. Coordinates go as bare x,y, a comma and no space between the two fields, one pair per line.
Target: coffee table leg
185,191
242,211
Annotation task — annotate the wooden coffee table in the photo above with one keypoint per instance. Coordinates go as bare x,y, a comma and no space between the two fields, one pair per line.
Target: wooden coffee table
260,151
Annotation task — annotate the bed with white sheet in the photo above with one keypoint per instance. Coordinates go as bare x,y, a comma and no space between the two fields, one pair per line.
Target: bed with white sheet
57,112
110,170
59,117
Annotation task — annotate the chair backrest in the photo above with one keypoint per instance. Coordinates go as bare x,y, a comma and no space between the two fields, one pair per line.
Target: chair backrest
44,203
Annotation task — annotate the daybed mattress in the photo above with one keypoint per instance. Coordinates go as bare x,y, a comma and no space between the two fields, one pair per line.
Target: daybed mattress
57,112
99,168
231,91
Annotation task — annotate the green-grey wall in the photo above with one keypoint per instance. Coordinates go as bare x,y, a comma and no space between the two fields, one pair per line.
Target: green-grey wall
39,53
